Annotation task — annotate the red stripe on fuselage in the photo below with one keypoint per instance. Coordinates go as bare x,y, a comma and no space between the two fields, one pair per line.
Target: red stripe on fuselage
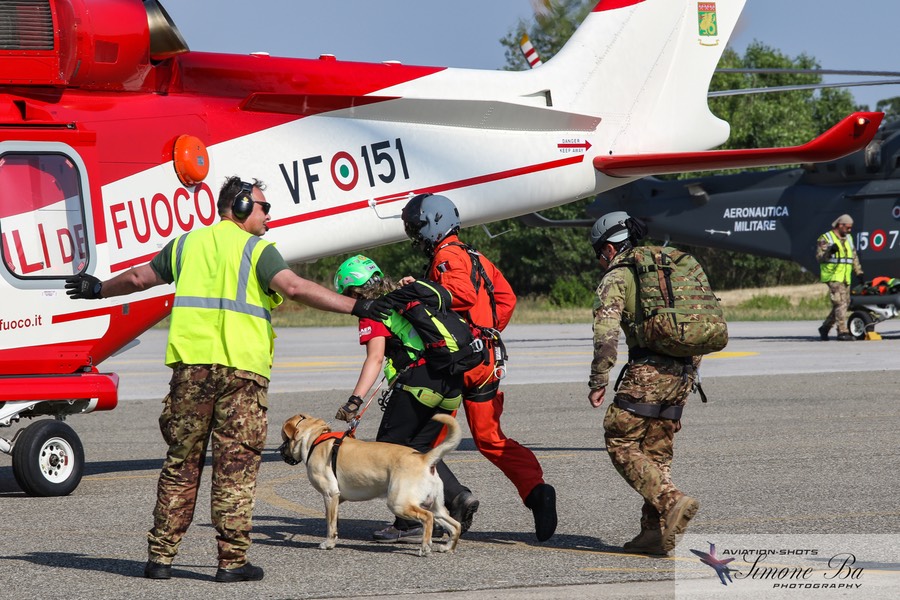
443,187
396,197
614,4
82,314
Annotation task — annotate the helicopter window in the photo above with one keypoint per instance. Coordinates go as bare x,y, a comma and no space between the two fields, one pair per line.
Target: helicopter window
42,223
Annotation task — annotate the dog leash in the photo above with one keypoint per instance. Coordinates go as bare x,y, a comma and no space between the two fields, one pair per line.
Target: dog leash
354,422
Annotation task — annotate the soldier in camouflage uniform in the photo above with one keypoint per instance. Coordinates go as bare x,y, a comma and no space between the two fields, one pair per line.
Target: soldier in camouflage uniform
221,345
837,259
640,446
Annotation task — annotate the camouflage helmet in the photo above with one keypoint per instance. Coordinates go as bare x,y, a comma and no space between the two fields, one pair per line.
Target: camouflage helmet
610,228
429,218
357,271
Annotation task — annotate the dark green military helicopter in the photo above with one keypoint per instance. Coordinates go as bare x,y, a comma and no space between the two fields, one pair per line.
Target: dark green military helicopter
780,213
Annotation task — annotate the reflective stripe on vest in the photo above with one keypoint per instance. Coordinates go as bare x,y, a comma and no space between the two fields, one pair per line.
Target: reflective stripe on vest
839,267
221,315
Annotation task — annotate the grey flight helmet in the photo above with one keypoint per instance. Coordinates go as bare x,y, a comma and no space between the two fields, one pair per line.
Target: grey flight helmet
429,218
610,228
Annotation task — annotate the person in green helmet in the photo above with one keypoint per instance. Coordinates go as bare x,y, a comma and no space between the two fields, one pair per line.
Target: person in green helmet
417,391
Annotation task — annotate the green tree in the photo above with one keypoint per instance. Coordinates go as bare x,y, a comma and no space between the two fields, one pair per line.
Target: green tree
548,31
778,118
890,107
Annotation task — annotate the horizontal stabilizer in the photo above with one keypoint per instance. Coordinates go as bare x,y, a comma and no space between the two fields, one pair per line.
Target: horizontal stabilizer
851,134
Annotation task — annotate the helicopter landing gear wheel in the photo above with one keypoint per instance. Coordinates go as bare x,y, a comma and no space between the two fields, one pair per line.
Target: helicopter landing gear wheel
859,323
48,459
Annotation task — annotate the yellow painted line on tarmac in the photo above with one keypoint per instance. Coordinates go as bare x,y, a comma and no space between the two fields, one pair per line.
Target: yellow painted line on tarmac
543,354
266,492
641,570
724,354
111,362
119,477
667,561
480,458
793,518
317,363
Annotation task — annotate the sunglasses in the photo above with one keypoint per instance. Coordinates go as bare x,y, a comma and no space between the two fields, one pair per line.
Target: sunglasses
266,207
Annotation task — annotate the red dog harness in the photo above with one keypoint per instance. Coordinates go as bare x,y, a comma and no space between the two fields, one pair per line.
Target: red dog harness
338,437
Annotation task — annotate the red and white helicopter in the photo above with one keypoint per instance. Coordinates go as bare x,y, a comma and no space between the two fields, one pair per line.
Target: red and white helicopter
114,138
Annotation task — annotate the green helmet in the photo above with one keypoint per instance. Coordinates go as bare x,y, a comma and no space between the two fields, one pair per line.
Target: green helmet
356,272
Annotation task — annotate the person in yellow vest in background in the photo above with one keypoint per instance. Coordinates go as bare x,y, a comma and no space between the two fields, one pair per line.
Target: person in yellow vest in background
220,348
837,262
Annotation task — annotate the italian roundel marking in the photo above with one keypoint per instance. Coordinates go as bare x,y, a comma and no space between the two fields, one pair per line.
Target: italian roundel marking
879,239
344,171
896,211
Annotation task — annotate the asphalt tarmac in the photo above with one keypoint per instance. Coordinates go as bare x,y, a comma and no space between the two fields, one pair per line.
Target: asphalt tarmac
795,454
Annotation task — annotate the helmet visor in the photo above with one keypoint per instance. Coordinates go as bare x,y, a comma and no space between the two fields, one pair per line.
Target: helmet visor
412,228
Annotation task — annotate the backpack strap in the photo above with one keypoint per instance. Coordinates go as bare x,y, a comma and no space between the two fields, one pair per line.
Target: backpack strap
670,412
478,271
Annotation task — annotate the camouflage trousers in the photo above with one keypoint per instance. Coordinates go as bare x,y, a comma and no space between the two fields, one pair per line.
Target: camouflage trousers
641,448
839,294
228,406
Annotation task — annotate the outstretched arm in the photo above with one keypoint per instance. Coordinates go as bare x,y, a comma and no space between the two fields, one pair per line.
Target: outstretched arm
88,287
292,286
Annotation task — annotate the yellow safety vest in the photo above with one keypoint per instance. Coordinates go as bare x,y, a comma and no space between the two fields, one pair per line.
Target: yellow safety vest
221,314
839,266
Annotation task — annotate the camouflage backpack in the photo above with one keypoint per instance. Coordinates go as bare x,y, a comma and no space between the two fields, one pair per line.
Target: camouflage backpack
677,313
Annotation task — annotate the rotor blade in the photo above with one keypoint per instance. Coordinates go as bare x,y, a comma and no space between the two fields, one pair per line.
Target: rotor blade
539,220
815,72
850,135
800,86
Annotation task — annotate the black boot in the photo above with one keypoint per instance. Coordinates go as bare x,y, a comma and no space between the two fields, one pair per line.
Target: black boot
155,570
463,509
246,572
542,502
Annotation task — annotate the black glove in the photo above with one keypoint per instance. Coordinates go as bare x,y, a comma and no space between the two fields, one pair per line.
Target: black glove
833,249
83,286
349,409
377,310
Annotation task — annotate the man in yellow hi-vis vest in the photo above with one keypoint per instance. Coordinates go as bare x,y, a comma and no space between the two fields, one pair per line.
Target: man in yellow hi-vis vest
221,344
837,262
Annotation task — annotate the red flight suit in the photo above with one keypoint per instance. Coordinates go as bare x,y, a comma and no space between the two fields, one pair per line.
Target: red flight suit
452,268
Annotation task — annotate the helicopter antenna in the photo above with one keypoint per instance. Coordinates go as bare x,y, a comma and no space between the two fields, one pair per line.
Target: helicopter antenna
491,235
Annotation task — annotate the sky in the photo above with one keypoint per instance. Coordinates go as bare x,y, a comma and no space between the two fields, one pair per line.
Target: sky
466,33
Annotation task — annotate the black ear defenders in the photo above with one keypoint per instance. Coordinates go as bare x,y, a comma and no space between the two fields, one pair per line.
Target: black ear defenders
242,205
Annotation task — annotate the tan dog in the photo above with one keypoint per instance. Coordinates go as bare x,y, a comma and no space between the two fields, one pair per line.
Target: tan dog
366,470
